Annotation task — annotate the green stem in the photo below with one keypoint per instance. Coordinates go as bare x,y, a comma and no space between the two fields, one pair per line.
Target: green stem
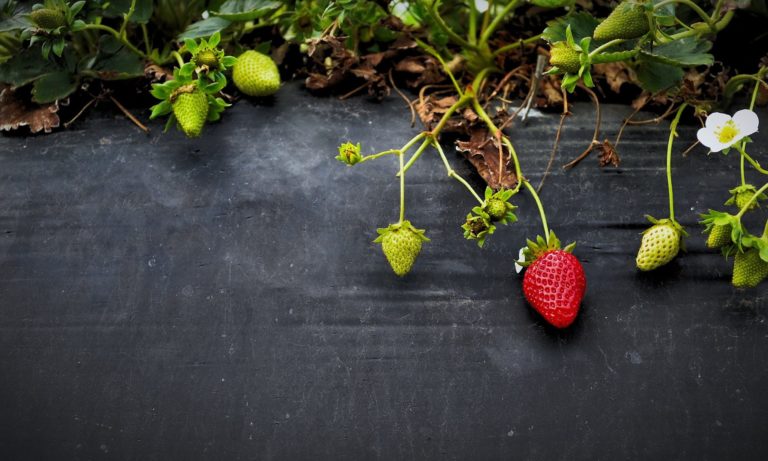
455,175
672,135
402,188
716,27
535,196
492,126
447,70
448,31
413,141
179,59
486,34
765,230
707,18
415,155
743,178
751,201
605,46
752,161
147,45
127,18
380,154
517,44
117,35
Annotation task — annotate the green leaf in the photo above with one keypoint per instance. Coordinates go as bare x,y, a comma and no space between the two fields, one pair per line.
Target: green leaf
53,86
553,3
25,67
665,16
246,10
141,13
115,62
655,76
58,47
160,109
14,23
76,7
582,25
688,51
205,28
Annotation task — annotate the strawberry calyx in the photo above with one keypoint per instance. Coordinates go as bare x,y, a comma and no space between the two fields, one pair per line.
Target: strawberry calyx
349,154
536,249
667,222
401,226
497,206
741,195
714,219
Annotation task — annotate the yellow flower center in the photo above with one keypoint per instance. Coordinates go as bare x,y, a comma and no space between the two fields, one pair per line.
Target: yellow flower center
727,132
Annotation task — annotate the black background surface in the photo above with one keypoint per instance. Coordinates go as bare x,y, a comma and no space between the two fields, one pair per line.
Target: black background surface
164,298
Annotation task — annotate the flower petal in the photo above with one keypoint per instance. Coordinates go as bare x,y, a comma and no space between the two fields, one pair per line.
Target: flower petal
717,119
708,138
746,121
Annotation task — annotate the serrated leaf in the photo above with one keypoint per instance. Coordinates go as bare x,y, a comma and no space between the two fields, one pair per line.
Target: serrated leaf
655,76
53,86
582,25
246,10
205,28
688,51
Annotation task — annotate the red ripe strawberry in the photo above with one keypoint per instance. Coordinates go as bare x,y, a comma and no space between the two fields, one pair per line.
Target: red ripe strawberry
554,282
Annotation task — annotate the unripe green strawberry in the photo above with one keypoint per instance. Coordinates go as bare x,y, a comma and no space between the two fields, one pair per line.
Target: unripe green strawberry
256,74
191,111
719,235
48,18
564,57
627,21
401,244
496,208
742,195
660,245
749,269
207,58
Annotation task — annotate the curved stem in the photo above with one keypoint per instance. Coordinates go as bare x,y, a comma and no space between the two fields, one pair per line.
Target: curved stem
707,18
752,161
543,216
127,18
492,126
402,189
715,27
605,46
117,35
179,59
751,201
447,70
672,135
448,31
455,175
486,34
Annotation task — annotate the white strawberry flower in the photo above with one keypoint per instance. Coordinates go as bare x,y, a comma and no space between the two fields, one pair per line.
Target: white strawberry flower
520,257
721,131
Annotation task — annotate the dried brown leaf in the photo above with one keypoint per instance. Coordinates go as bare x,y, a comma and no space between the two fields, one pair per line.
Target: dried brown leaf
15,113
616,74
607,154
482,151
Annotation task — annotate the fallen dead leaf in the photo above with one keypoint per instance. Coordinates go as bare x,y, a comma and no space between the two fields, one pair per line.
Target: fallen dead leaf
15,113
